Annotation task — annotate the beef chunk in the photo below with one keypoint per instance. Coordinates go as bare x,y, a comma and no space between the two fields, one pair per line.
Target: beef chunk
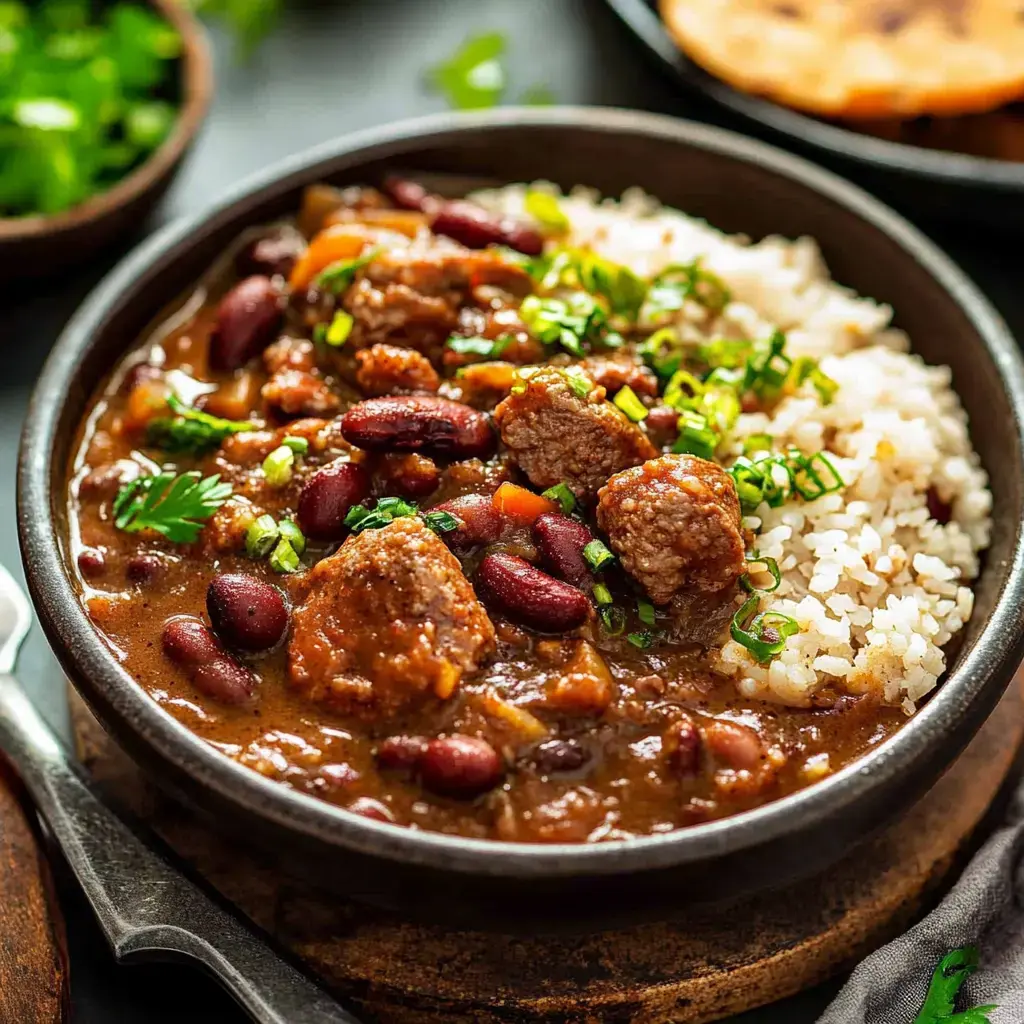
296,387
390,370
675,523
614,372
556,435
390,620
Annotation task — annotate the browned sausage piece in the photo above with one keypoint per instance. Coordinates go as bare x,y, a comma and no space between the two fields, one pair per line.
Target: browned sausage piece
389,620
675,523
556,436
390,370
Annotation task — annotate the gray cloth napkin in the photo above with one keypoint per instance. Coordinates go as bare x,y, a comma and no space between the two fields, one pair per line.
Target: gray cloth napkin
985,908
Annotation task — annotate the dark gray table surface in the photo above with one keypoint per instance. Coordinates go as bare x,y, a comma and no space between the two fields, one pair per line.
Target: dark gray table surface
332,68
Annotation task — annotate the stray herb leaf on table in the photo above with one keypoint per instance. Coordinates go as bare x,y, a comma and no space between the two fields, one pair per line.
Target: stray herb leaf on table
86,95
947,980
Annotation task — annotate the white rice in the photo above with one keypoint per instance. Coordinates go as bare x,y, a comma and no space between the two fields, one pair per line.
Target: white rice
876,585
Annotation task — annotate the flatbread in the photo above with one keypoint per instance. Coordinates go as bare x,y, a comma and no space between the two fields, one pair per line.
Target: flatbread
860,58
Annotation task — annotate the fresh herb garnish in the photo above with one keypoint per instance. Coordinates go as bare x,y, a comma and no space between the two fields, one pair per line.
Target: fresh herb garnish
613,618
598,556
772,478
283,542
175,506
568,322
191,430
616,284
683,282
947,980
339,275
337,331
629,402
79,99
290,532
284,558
770,566
387,510
543,207
562,493
762,633
299,445
602,595
644,639
261,537
696,436
277,466
662,351
486,348
441,522
645,612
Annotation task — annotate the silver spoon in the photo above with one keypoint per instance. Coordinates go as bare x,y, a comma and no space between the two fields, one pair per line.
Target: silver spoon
147,908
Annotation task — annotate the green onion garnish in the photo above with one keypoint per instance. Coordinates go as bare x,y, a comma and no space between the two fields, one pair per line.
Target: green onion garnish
613,618
441,522
696,437
770,566
562,493
643,639
764,633
580,383
299,445
662,351
680,282
543,207
473,77
597,555
757,443
261,537
277,466
290,532
338,276
191,431
602,595
284,558
340,328
814,476
484,347
645,612
627,400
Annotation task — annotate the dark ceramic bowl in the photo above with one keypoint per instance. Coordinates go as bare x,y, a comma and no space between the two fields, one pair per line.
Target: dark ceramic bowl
738,185
36,247
930,183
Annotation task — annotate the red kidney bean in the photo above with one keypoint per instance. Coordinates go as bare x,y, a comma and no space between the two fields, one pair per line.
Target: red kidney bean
419,423
247,321
941,511
91,563
410,195
560,541
529,596
401,753
246,612
662,425
273,254
481,521
188,643
143,568
475,228
739,747
367,807
327,496
681,745
461,766
554,756
411,476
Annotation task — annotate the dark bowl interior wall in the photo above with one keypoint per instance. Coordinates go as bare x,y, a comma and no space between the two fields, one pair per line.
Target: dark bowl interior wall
744,198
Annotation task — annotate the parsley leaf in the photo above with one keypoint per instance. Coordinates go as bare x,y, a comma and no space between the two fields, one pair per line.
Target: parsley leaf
472,78
947,980
175,506
191,430
338,276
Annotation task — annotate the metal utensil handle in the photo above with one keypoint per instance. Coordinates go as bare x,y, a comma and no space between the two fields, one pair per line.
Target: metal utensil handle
146,907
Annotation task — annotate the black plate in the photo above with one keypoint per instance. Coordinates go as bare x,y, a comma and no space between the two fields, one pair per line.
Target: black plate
930,182
734,183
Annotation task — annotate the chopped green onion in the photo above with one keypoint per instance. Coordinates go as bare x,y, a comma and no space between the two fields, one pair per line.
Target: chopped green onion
696,437
191,430
602,595
613,618
299,445
277,466
770,566
396,507
757,443
360,518
485,347
662,351
645,612
473,77
627,400
643,639
580,383
562,493
284,558
805,368
260,538
290,532
339,275
597,555
807,475
543,207
619,286
567,321
341,327
441,522
725,353
320,333
764,633
681,282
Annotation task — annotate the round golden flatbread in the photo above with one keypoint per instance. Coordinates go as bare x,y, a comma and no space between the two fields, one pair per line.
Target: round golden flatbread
860,58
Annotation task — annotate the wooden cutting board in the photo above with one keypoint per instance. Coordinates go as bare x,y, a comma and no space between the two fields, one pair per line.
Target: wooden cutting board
33,952
702,963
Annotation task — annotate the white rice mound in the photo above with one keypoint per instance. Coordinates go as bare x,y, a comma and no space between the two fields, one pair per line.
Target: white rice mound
877,585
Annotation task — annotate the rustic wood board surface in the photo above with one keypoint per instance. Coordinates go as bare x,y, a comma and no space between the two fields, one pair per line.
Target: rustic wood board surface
33,960
705,964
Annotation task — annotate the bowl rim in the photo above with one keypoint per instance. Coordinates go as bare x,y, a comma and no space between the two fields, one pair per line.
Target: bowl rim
947,166
196,75
966,696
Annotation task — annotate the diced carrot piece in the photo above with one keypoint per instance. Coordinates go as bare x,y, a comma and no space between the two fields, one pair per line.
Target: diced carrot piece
341,242
146,401
519,503
406,222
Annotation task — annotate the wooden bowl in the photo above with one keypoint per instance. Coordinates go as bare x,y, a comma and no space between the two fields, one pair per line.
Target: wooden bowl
736,184
38,246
